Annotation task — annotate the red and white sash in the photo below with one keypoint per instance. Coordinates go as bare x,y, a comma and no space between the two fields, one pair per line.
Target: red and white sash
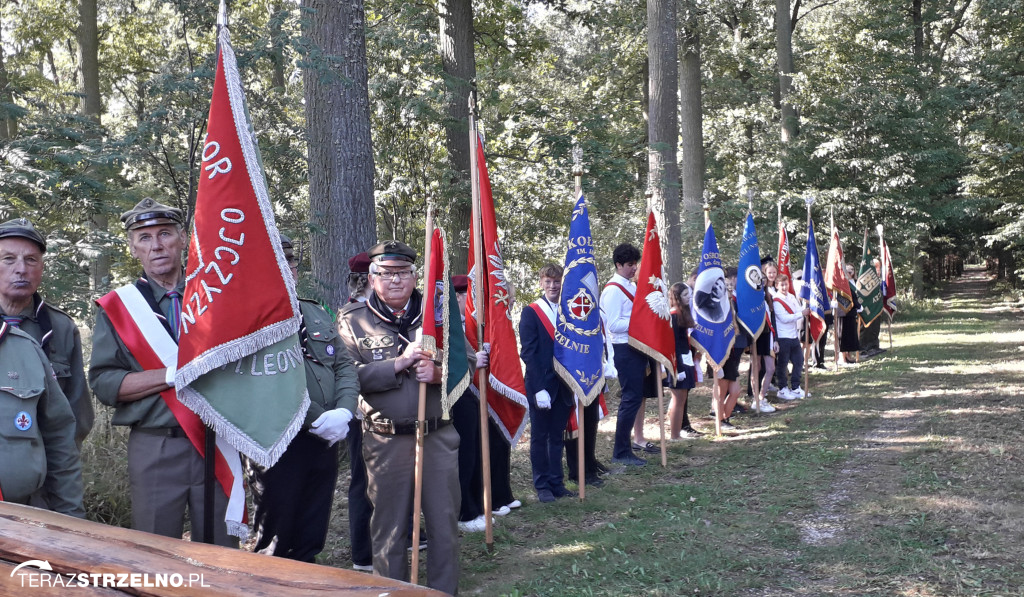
148,341
626,292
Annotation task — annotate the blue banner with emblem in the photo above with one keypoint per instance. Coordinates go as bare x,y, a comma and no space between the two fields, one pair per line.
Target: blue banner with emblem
814,290
579,346
751,309
715,329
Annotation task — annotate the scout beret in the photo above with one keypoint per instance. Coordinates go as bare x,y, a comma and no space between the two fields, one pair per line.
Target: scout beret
391,250
461,283
149,212
23,228
767,259
359,264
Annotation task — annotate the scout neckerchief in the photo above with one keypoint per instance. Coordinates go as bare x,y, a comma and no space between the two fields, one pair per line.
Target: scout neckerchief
409,318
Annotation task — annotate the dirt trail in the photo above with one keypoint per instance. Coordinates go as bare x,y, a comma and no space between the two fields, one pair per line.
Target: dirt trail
890,468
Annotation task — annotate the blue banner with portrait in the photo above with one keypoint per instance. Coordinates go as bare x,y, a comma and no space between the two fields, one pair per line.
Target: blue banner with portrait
751,309
715,329
814,290
579,346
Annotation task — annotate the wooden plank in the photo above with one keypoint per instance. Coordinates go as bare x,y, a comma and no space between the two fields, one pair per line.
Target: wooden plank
74,546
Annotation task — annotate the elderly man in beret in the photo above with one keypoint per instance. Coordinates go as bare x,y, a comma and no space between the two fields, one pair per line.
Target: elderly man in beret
165,470
380,336
37,427
21,306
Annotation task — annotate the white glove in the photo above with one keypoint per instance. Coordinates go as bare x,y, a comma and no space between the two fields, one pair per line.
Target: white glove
169,375
487,347
482,359
859,309
834,305
332,426
543,400
681,376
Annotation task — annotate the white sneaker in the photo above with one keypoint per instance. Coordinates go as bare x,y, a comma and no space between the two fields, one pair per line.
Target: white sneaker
797,393
363,567
766,407
786,394
477,525
514,504
502,511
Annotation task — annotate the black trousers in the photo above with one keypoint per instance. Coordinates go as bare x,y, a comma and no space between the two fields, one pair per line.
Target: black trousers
466,419
293,499
590,419
359,506
501,466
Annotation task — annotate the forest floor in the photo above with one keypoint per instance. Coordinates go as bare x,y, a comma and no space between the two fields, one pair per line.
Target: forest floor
902,475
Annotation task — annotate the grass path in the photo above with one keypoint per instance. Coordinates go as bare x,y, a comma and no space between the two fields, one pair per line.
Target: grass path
902,476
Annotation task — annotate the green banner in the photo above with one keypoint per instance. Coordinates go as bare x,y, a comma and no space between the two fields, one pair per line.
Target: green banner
869,287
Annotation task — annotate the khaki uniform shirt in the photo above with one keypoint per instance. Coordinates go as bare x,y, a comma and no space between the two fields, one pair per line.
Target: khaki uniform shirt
111,362
331,379
37,429
64,350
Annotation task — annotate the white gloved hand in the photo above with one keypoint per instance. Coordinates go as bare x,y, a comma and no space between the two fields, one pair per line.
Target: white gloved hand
834,305
169,375
482,359
681,376
487,347
332,426
543,400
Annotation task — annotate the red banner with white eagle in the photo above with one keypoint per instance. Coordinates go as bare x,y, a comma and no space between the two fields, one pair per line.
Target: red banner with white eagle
509,406
650,323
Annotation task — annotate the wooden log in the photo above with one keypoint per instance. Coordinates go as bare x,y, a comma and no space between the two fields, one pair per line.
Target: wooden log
75,546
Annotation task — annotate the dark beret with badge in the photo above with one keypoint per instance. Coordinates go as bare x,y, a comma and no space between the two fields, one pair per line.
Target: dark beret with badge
391,250
359,264
22,228
150,212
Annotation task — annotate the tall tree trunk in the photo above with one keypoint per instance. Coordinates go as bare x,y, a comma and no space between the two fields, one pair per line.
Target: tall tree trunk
784,49
8,125
918,20
691,129
92,108
340,145
663,128
458,60
277,13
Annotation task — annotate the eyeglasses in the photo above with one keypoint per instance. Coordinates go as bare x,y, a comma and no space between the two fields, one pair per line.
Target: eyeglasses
403,275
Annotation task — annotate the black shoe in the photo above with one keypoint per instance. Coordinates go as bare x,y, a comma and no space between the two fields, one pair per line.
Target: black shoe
601,467
690,432
727,425
545,496
739,409
630,461
561,492
595,481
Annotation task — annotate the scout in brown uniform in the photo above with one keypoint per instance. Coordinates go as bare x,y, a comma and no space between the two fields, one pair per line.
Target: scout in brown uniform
54,330
165,470
379,336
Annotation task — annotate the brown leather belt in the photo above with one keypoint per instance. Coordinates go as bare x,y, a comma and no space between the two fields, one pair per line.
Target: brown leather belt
382,426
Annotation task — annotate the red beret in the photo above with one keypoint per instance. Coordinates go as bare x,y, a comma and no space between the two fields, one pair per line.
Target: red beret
359,264
461,283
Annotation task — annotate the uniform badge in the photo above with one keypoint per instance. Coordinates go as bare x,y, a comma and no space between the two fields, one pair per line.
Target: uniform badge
330,350
13,374
23,421
316,334
378,354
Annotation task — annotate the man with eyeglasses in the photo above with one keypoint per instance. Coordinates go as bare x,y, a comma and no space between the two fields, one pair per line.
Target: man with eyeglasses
381,337
293,498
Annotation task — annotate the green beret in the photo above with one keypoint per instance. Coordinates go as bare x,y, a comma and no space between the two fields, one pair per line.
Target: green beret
23,228
391,250
149,212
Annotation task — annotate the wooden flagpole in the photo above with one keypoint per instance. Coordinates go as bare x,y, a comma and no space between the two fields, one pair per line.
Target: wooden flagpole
715,393
478,306
581,475
421,416
661,389
837,323
860,322
755,361
807,320
886,264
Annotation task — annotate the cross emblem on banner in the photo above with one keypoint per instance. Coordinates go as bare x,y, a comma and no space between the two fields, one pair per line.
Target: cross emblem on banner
581,305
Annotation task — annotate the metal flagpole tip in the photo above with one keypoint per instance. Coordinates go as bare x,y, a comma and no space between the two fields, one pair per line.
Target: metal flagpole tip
879,229
809,200
222,14
577,160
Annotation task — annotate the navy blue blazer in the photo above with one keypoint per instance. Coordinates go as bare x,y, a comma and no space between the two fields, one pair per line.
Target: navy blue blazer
538,353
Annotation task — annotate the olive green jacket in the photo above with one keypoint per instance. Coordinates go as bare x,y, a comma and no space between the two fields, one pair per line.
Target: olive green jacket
331,379
37,429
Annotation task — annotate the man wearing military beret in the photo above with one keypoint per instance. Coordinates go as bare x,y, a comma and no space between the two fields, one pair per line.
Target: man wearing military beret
37,426
380,337
165,470
293,498
21,306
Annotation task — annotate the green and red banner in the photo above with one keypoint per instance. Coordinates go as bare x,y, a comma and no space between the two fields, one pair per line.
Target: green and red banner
442,334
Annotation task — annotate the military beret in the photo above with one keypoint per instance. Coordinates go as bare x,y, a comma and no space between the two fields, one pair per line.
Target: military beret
149,212
24,229
359,264
767,259
461,283
391,250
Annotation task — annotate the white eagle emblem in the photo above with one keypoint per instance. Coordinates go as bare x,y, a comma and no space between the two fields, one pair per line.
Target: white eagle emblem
657,300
